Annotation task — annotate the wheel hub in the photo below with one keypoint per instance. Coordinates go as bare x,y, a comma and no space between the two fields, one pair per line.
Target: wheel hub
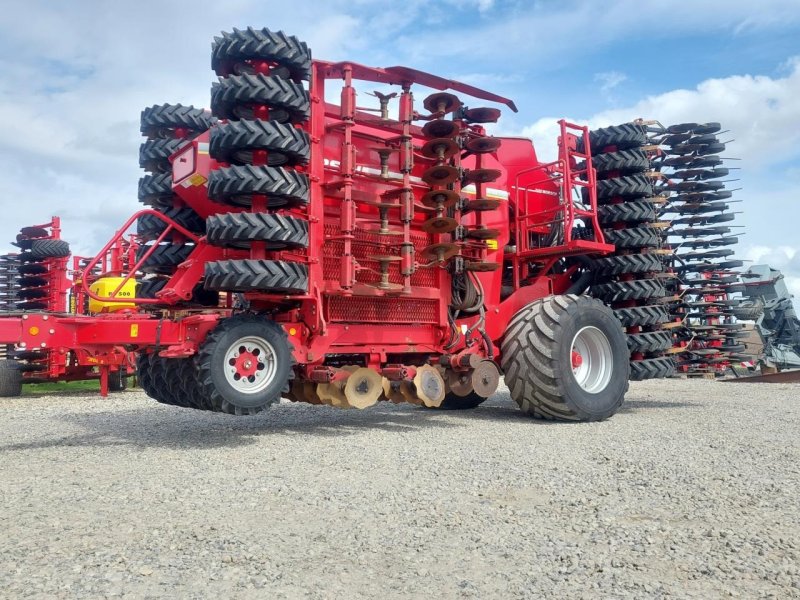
592,359
250,364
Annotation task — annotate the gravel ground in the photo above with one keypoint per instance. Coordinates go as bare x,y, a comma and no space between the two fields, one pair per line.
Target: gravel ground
690,491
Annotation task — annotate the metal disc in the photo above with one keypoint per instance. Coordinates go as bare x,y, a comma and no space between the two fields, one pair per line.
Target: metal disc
385,258
430,386
443,251
482,114
440,148
438,225
440,128
441,175
409,393
482,145
481,267
391,389
482,204
485,378
460,383
441,102
331,394
386,287
482,175
440,198
363,388
483,234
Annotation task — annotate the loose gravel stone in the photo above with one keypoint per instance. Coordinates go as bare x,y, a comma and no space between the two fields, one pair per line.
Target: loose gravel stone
690,491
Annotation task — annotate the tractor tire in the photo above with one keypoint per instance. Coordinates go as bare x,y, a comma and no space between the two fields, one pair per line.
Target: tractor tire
165,258
148,288
617,291
263,375
149,227
240,229
642,315
455,402
635,211
650,341
623,264
189,386
288,101
537,357
625,162
652,368
631,186
633,237
32,269
269,276
260,44
622,137
10,379
118,380
749,312
238,184
156,189
49,249
154,154
161,120
235,142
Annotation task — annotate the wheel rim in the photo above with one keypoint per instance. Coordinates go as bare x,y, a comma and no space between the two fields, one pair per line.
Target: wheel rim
250,364
592,359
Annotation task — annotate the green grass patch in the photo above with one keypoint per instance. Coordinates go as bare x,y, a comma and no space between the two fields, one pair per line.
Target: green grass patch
55,387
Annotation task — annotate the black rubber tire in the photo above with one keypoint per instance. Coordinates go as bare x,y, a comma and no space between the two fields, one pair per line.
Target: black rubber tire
160,120
652,368
640,289
635,211
31,281
650,341
536,353
749,312
260,44
118,380
240,229
631,186
186,377
288,101
235,141
32,269
455,402
622,264
627,135
49,249
154,154
148,288
149,227
165,258
10,379
237,185
269,276
633,237
625,162
642,315
210,364
156,189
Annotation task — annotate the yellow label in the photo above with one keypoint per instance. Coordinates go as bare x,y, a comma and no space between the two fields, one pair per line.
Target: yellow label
91,359
491,244
197,179
134,330
34,330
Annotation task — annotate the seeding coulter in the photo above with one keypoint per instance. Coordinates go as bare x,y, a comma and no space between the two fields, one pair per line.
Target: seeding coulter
344,254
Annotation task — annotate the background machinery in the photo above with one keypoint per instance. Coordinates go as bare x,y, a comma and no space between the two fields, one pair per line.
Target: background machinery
341,254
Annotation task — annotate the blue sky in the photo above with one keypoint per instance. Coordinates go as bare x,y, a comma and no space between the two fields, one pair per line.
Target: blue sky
75,75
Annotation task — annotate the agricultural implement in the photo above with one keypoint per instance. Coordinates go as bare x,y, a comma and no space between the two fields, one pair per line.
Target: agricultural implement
342,254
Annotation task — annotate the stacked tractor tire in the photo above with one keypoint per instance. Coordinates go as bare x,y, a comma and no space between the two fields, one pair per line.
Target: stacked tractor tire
701,236
262,193
632,280
166,128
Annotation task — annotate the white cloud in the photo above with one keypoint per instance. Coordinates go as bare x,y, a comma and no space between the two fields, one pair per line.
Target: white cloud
608,80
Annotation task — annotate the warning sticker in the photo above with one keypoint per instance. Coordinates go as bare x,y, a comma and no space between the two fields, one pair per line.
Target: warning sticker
197,179
491,244
135,330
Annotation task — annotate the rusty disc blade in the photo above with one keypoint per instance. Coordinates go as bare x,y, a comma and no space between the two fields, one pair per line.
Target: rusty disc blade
430,386
482,114
482,145
438,225
440,198
441,175
409,393
385,258
482,204
443,251
485,378
441,103
481,266
440,128
460,383
483,233
391,389
440,148
482,175
363,388
386,287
